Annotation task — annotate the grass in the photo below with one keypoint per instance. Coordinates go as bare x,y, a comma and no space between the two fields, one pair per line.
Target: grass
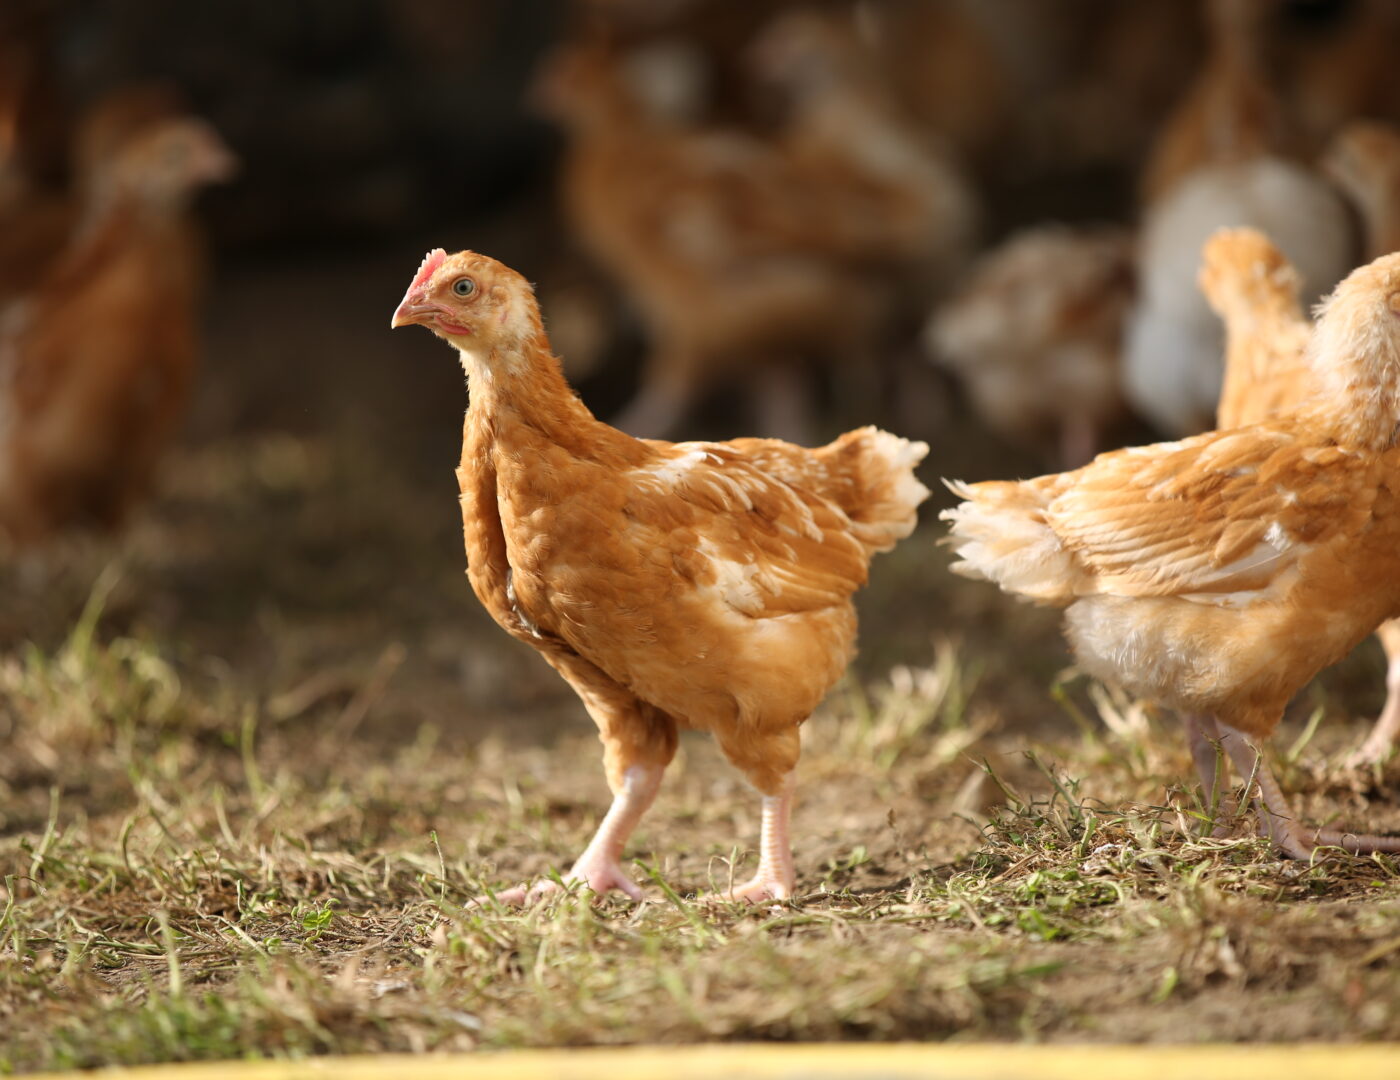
261,756
189,877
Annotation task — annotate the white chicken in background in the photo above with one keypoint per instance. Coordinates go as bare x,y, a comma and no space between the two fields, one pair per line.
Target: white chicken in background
1036,335
1219,163
1173,356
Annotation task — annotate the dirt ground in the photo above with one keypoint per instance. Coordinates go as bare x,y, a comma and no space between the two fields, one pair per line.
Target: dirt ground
262,752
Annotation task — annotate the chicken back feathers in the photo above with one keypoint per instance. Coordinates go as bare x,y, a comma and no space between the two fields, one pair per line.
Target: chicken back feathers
1220,573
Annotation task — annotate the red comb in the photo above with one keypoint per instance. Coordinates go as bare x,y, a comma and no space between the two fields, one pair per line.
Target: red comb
428,266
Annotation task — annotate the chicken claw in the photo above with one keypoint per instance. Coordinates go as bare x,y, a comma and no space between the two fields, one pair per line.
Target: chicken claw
1276,818
598,867
598,876
776,877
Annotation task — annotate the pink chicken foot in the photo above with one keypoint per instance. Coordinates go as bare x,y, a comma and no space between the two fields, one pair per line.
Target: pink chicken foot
776,875
1276,818
599,866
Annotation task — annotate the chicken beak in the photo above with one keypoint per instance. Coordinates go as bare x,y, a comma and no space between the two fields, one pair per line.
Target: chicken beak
413,309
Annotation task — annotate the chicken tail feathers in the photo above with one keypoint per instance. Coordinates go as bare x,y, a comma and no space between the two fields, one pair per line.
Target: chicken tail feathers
1000,533
879,491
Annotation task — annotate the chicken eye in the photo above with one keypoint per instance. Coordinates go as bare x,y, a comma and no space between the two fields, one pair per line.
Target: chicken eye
464,286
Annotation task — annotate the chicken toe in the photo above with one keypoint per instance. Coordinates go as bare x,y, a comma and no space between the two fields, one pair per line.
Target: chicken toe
599,867
1381,741
775,877
1276,818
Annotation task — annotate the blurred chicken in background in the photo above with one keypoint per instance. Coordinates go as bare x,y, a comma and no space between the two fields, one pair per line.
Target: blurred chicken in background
892,201
947,70
748,258
1221,161
96,354
1036,336
1341,59
1364,160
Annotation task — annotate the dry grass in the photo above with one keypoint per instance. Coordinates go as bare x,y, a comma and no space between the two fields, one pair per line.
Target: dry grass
260,757
193,871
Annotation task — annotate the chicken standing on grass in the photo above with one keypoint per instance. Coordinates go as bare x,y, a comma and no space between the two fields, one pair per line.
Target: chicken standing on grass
704,585
1217,575
1254,289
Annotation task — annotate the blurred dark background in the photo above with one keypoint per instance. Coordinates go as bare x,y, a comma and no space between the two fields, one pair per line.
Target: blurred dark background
371,127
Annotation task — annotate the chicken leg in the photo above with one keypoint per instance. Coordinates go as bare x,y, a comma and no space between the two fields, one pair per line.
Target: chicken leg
599,867
1381,741
776,876
639,741
1203,737
768,757
1277,820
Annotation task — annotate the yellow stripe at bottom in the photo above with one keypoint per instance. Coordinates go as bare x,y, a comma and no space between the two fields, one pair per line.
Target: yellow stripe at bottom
835,1061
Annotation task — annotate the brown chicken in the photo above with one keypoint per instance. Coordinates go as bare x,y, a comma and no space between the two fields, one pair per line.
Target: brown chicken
1268,374
1223,160
884,197
96,360
700,585
1364,159
1231,113
750,260
710,234
1219,574
1036,335
38,221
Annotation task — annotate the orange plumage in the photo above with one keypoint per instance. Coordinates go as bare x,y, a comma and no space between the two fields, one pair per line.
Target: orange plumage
703,585
1219,574
747,257
1254,289
1268,374
97,357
